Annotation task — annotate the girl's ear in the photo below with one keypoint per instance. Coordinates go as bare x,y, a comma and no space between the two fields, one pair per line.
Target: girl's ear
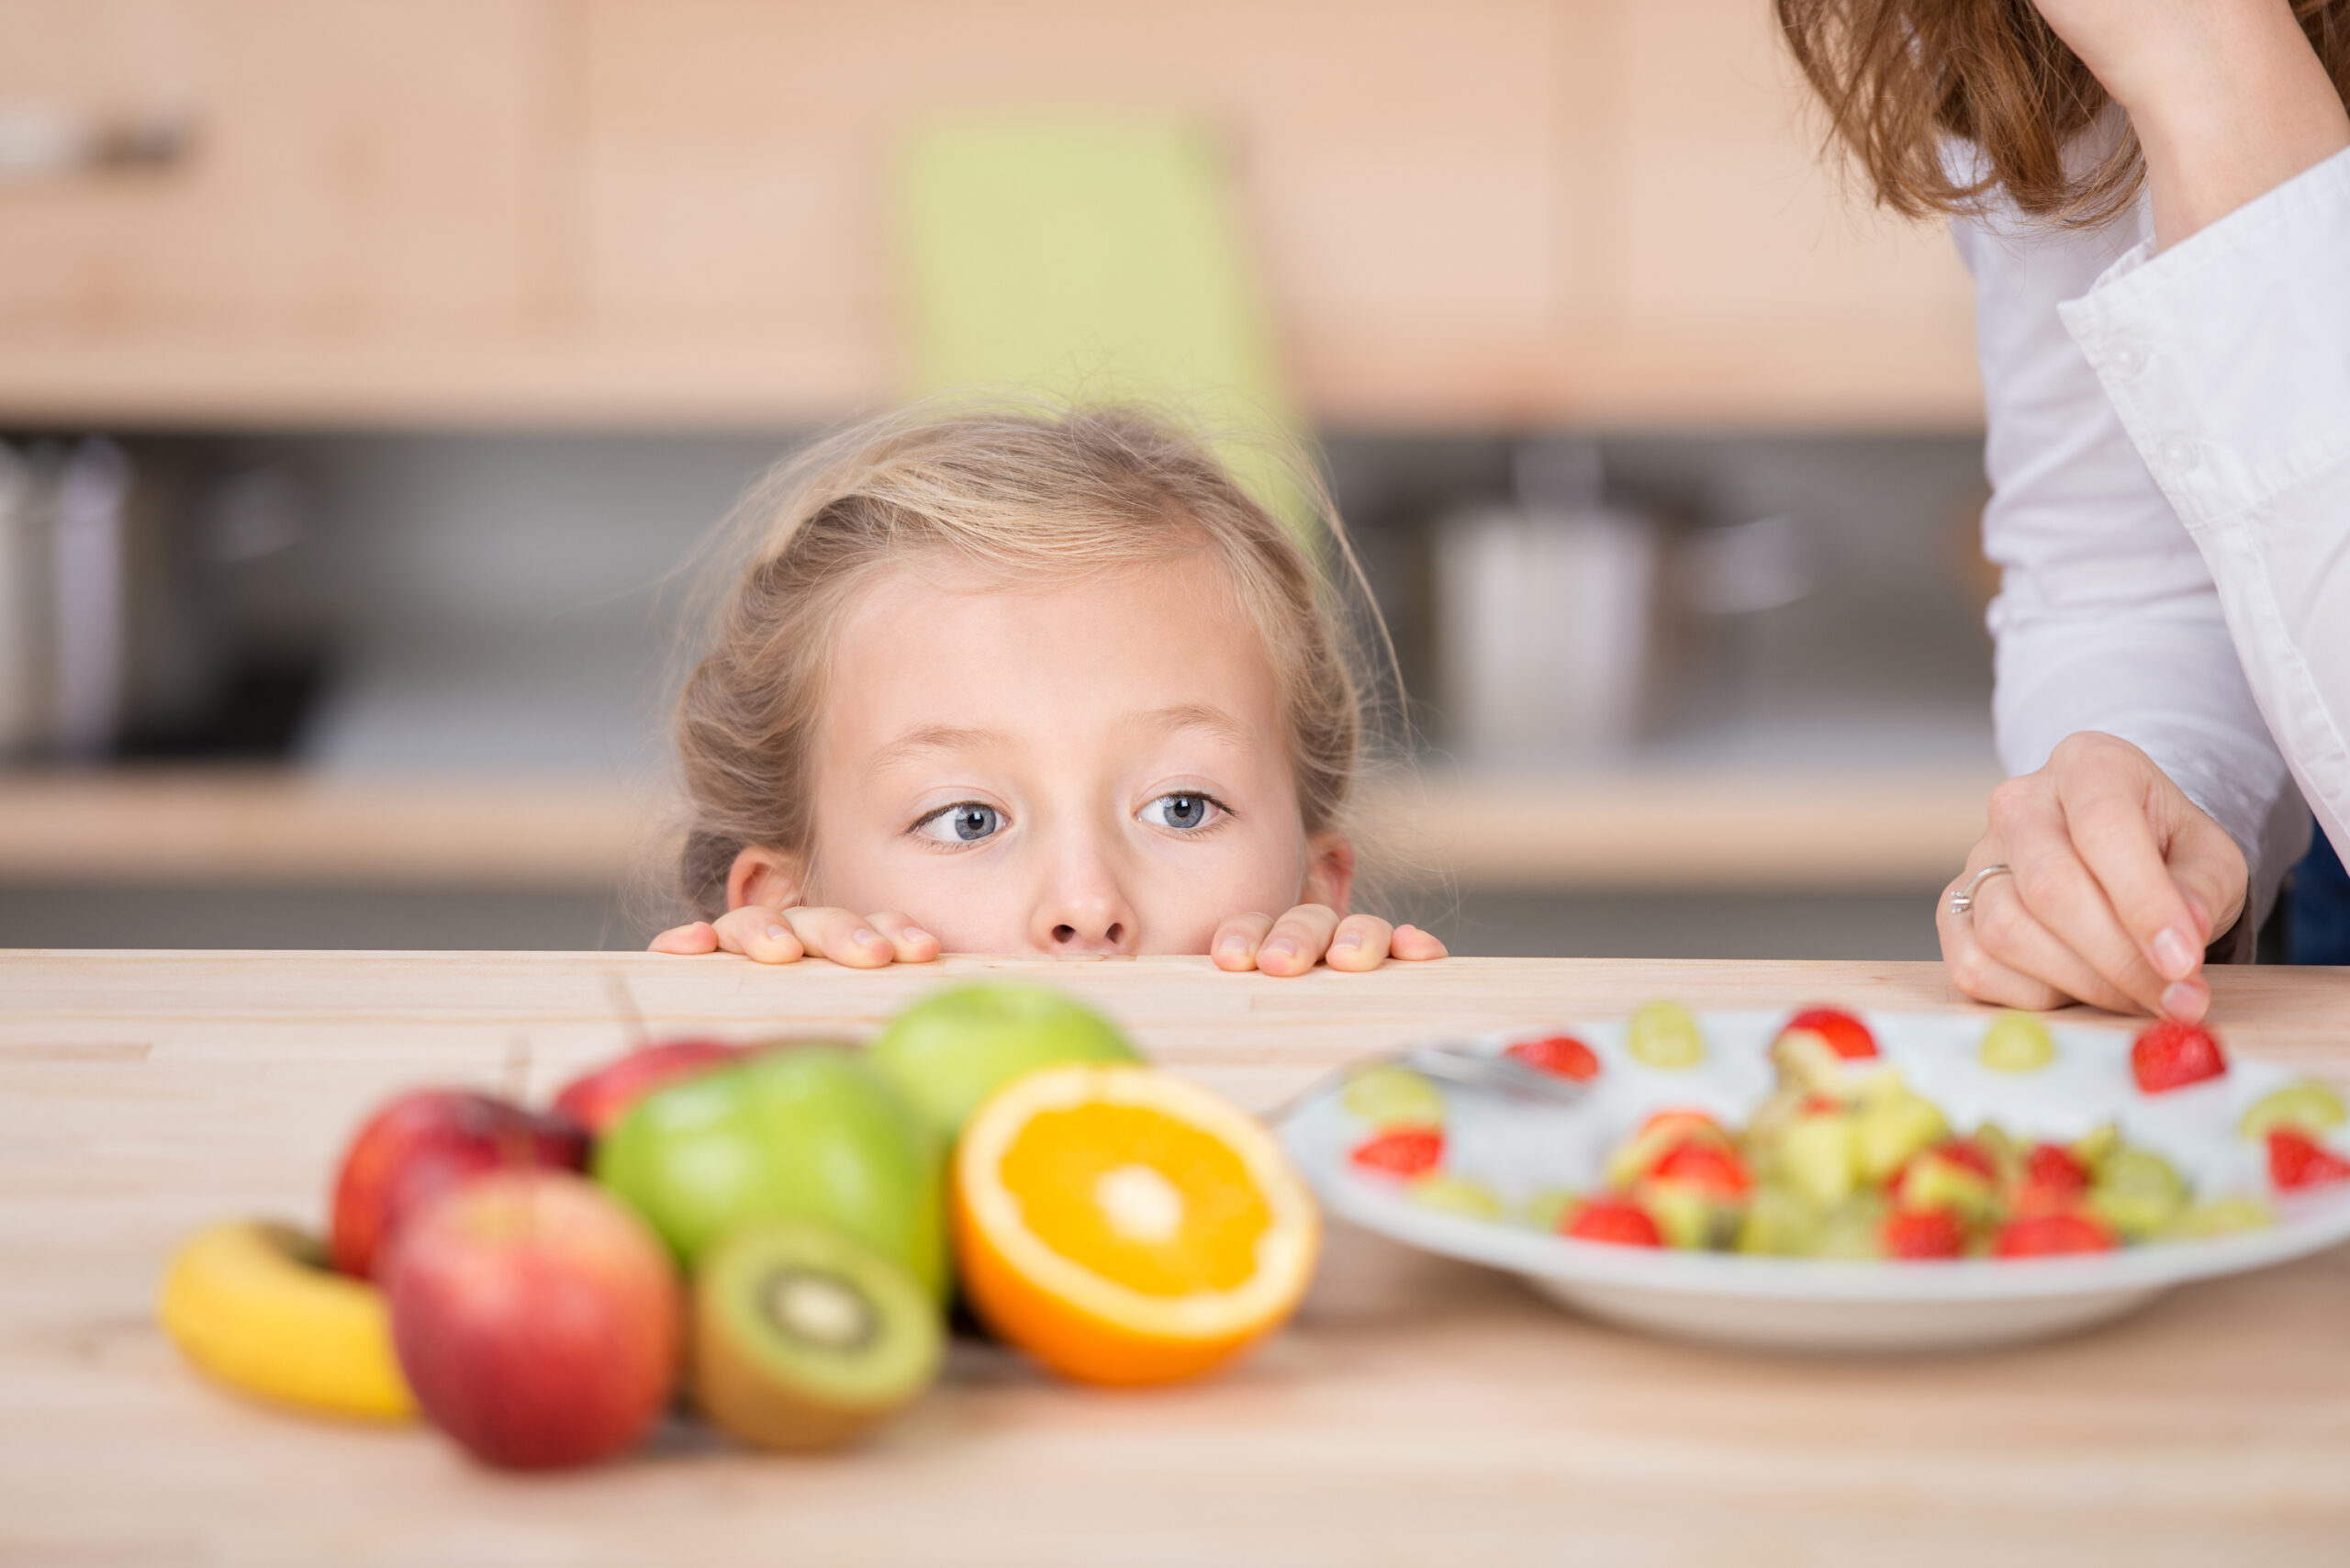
766,877
1329,870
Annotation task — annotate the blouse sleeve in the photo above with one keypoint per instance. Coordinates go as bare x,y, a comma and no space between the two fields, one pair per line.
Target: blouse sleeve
2107,617
2227,361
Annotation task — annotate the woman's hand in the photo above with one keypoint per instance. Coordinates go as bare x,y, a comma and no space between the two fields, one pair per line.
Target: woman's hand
784,936
2227,96
1312,933
2118,883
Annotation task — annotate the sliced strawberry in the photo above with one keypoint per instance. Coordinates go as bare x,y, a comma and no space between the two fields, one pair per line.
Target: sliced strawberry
2053,1168
2172,1055
1560,1054
2049,1235
1615,1221
1714,1171
2296,1160
1405,1151
1972,1154
1923,1233
1845,1035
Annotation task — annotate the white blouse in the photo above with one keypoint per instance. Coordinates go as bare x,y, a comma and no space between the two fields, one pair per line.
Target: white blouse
2169,456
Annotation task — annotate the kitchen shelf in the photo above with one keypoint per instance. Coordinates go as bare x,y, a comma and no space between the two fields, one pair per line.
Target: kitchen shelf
1620,830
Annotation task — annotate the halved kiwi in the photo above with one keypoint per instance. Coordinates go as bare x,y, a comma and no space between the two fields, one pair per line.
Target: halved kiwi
803,1337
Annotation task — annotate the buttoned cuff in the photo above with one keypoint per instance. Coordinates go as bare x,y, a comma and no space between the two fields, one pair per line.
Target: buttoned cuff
2228,356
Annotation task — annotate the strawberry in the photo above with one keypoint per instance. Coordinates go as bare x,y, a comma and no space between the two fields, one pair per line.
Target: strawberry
1923,1233
2054,1181
1405,1151
1615,1221
1715,1171
2171,1055
1973,1155
2296,1160
2048,1236
1845,1035
1560,1054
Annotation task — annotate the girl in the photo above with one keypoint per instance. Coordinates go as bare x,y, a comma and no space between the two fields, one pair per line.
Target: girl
1028,685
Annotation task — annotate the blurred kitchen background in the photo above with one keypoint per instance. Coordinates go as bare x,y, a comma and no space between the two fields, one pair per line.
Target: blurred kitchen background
370,372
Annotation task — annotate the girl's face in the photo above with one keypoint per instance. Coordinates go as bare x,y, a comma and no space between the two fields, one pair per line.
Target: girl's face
1087,769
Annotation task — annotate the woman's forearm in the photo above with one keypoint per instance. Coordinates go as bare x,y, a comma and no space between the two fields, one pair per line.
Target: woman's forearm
2227,97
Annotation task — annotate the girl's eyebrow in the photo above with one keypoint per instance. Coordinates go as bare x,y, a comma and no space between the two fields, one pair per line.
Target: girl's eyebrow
928,738
1193,716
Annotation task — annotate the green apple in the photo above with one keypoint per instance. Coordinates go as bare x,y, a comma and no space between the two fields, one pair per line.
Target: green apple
2311,1108
2138,1193
949,1051
1894,1126
800,1131
1821,1157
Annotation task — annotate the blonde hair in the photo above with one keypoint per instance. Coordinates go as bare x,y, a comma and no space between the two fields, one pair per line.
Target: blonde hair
1025,498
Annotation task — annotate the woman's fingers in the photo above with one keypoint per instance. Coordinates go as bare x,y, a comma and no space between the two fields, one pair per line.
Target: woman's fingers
1359,943
1972,969
2053,919
696,936
1233,945
1297,941
2165,867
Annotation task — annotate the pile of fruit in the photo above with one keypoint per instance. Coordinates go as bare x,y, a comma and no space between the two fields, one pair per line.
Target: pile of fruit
772,1234
1844,1161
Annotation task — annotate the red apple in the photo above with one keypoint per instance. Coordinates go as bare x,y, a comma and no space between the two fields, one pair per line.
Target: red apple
426,1142
536,1319
599,1100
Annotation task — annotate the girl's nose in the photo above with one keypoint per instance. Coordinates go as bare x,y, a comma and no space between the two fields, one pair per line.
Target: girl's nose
1085,912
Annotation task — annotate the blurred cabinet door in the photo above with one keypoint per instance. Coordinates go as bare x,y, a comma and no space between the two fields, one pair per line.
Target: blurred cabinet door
353,166
1397,163
1736,267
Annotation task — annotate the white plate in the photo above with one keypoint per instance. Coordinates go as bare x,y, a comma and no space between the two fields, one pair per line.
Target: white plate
1796,1304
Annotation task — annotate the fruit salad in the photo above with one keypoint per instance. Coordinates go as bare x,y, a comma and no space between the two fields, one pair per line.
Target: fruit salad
1843,1158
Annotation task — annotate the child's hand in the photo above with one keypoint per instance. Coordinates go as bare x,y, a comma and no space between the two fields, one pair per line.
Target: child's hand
1312,932
782,936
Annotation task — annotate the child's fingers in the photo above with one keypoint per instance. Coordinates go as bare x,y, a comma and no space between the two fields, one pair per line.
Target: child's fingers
759,934
1359,943
1233,945
694,937
914,945
843,935
1297,941
1413,946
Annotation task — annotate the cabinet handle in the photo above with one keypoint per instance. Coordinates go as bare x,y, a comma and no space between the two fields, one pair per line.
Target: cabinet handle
40,142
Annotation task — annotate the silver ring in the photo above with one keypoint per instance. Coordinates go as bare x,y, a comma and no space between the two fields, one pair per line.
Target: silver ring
1963,898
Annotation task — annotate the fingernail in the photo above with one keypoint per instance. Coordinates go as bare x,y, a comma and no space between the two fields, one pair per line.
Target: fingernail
1281,946
864,938
1351,939
2174,952
2184,1001
916,933
1233,947
775,933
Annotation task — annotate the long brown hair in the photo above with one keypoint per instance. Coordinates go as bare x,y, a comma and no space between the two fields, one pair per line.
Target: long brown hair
1900,77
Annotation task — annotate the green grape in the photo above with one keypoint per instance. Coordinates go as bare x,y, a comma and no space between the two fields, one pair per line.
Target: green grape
1665,1034
2016,1042
1394,1097
1454,1195
2306,1107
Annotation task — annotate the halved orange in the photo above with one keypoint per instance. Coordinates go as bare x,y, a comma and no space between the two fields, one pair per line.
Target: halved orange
1123,1225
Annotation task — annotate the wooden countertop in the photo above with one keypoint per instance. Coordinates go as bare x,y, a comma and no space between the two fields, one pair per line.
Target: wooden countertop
1419,1411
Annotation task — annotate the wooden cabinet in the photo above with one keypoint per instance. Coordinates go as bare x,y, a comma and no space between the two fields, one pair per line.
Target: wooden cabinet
1469,212
351,169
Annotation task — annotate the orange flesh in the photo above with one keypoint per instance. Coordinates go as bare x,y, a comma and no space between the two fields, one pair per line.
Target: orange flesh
1053,1170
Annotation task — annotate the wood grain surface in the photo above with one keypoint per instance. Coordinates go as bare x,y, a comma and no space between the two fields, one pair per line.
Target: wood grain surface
1420,1411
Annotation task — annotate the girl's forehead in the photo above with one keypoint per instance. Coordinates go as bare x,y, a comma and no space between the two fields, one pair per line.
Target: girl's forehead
940,646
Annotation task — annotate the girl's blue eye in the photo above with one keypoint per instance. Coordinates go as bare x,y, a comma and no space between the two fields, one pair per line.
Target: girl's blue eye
967,822
1184,811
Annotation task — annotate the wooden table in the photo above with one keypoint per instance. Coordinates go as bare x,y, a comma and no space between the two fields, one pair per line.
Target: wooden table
1419,1412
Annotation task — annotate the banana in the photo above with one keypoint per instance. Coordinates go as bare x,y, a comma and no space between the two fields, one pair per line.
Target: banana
254,1305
